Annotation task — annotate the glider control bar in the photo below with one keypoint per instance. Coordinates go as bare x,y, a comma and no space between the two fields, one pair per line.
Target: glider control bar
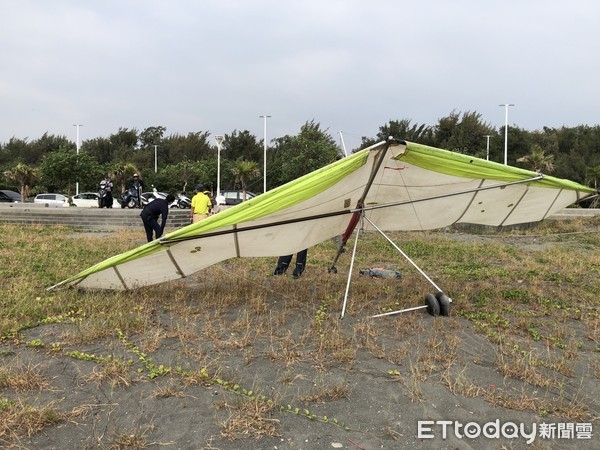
440,292
404,254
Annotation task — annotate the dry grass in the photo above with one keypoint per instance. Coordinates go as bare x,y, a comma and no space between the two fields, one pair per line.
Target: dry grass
23,377
286,349
247,418
19,420
169,391
113,371
323,393
459,383
128,441
525,366
532,296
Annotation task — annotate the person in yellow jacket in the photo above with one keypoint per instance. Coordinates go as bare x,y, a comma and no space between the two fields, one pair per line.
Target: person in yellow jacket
201,205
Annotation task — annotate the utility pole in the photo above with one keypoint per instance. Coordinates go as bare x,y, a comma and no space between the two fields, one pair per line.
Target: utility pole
506,105
77,146
219,138
265,154
488,136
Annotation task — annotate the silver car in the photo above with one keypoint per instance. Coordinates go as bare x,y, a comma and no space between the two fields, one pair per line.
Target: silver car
50,199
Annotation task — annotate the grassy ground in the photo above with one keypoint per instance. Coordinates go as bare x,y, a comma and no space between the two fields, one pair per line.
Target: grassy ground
234,357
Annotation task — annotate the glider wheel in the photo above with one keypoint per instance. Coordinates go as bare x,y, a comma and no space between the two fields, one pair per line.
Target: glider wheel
433,306
444,302
332,269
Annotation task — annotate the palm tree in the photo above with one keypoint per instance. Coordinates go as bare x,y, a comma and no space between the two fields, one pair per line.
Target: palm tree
24,176
538,160
244,171
592,178
121,173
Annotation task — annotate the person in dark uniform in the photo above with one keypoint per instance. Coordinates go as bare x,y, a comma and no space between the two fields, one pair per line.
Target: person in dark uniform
150,213
105,193
284,261
136,184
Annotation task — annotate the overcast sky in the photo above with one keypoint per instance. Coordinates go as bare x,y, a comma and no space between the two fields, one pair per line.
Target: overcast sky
350,65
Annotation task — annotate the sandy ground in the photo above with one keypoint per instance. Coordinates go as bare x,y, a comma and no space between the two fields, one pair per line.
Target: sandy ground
404,369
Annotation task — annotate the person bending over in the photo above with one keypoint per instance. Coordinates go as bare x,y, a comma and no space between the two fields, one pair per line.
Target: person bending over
151,212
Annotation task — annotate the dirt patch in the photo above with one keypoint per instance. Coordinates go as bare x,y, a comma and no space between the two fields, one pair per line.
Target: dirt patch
359,396
225,367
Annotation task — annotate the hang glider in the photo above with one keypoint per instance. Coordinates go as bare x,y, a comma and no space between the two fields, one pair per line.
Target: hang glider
393,185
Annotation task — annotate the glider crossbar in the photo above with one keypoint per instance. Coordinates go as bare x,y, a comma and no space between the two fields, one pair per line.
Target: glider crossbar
358,209
400,311
392,313
237,229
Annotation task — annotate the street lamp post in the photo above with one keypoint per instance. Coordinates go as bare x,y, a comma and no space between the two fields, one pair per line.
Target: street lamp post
265,154
219,138
77,147
155,159
488,136
506,105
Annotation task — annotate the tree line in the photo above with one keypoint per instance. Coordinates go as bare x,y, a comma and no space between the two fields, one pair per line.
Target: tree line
52,164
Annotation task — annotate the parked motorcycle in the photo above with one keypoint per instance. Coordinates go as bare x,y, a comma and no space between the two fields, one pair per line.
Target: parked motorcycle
105,198
131,198
182,202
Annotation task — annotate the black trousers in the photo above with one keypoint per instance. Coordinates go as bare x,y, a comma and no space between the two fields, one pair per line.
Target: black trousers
284,261
151,225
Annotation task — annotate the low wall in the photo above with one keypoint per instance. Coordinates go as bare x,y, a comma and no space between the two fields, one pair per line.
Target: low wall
110,219
84,218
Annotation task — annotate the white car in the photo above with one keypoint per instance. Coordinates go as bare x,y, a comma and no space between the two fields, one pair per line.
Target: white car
50,199
236,197
84,200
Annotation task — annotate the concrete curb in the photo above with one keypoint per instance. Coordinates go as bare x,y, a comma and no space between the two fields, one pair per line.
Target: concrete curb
115,218
83,218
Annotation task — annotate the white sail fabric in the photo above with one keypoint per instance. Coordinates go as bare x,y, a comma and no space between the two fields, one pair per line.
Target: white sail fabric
397,185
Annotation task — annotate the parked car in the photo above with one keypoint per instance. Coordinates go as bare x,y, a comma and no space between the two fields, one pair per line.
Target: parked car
50,199
235,197
10,196
84,200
